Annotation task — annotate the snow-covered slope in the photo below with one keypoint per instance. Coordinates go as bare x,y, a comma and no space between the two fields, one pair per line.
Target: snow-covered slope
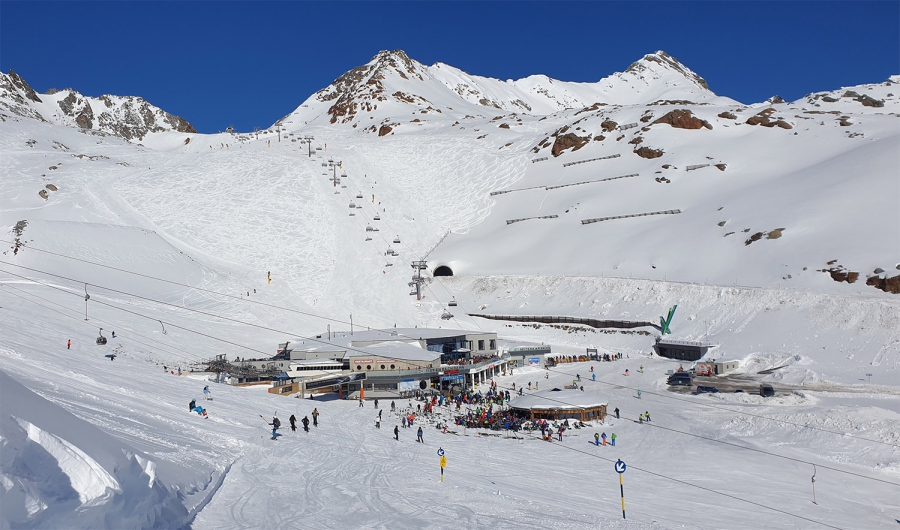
174,239
128,117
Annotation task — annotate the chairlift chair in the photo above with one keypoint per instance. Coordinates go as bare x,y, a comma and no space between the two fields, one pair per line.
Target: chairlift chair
389,264
352,205
101,340
352,214
344,174
452,303
368,238
343,185
446,315
369,228
397,239
318,148
377,218
359,196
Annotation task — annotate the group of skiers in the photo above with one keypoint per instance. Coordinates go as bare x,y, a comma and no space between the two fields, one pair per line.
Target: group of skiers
276,423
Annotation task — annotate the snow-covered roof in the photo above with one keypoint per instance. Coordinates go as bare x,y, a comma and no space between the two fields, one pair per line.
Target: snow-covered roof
557,399
406,333
404,351
315,362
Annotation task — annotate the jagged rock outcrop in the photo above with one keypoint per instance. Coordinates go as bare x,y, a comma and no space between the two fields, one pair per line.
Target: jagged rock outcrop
683,119
128,117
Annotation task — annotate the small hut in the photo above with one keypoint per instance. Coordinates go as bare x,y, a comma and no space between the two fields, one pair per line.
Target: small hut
559,404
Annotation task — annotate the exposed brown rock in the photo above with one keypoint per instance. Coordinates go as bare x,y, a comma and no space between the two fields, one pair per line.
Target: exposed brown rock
683,119
721,167
608,125
568,141
503,126
44,195
727,116
20,83
384,130
869,101
51,187
648,152
888,285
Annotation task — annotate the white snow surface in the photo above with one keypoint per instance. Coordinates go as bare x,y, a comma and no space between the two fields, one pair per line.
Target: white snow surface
173,241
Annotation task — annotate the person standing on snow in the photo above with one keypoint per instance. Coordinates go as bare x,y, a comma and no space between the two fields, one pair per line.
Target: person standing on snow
315,415
647,415
597,439
69,344
613,438
376,403
393,406
276,423
603,436
305,422
206,393
293,421
396,433
419,436
617,412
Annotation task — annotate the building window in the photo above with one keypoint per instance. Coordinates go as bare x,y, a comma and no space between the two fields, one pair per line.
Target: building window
382,367
493,344
368,367
392,367
359,367
480,345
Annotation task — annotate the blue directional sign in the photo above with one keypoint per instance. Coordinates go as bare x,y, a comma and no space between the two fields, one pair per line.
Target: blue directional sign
440,452
620,467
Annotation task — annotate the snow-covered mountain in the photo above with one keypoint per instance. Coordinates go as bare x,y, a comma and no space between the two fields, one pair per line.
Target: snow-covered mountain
128,117
395,82
773,226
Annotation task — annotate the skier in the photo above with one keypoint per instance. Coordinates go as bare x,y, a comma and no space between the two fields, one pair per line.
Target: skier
201,411
276,423
360,402
559,432
305,422
378,422
613,439
69,344
647,415
626,372
641,369
192,404
617,412
593,377
293,422
376,403
603,436
269,279
315,415
641,418
639,394
592,368
597,439
419,436
379,415
396,433
113,334
393,406
206,393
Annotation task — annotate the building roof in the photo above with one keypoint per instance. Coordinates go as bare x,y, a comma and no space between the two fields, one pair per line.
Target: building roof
403,351
314,362
557,399
403,334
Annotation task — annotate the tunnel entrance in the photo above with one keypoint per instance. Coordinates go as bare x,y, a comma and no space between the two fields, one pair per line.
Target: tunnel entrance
443,270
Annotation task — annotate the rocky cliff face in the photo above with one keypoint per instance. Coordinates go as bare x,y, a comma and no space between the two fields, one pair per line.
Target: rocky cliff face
128,117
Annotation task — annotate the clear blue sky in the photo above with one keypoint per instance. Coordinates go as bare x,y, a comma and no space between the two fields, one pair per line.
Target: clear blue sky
250,63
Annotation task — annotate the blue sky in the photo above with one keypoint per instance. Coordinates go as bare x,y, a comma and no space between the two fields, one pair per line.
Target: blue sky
249,63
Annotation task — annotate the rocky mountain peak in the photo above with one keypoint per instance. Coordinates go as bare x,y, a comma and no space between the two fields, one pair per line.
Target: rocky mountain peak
128,117
653,61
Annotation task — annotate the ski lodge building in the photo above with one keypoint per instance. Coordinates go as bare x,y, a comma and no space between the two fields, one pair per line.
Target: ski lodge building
390,363
559,404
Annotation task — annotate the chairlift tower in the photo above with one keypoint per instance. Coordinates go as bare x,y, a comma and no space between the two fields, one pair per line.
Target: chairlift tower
417,280
334,164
